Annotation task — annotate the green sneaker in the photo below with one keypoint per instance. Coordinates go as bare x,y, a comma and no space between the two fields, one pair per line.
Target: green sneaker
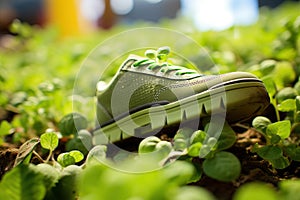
148,94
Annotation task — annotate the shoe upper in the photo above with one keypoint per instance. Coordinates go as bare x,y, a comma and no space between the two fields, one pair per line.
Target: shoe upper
142,82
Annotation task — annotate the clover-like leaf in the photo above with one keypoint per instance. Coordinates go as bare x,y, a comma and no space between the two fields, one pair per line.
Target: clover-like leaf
269,152
198,136
65,159
261,123
270,85
280,163
148,144
72,123
287,105
281,128
77,155
194,149
227,138
224,166
293,151
49,140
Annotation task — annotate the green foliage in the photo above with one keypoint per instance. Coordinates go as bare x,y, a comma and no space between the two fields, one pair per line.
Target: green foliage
72,123
23,182
224,166
187,144
257,191
5,128
168,187
49,141
69,158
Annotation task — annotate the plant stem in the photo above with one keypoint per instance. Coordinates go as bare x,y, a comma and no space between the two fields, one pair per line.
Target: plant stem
38,156
49,156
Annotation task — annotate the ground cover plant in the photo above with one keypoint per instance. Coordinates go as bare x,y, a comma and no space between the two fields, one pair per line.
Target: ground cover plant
43,155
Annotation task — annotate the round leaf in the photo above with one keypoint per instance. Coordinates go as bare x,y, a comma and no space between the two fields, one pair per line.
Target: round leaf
49,140
258,191
194,149
72,123
261,123
224,166
269,152
148,144
281,128
227,138
65,159
77,155
287,105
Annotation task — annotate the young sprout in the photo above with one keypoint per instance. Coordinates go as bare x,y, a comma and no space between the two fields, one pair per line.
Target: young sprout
163,50
162,53
150,53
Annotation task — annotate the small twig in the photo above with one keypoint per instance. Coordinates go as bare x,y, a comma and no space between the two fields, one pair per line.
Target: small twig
38,156
242,126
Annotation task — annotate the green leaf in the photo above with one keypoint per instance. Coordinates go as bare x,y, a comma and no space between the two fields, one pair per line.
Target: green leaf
77,155
65,159
261,123
180,172
148,144
284,74
22,182
269,152
72,123
280,163
286,93
293,151
180,144
297,99
49,141
150,53
275,139
163,148
194,149
193,193
227,138
182,139
198,136
270,85
281,128
289,189
50,174
25,150
5,128
97,154
224,166
267,66
257,191
287,105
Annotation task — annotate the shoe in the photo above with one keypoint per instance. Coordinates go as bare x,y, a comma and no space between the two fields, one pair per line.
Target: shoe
148,94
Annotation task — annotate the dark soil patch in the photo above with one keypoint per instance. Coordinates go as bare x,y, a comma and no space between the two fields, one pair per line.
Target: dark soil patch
8,154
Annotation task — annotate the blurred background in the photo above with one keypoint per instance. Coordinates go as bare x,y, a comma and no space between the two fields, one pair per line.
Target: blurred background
73,17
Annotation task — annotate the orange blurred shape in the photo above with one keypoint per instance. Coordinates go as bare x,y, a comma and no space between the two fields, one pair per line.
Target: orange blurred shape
65,15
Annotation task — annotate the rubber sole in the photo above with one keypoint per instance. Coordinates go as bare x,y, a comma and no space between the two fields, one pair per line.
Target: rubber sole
236,101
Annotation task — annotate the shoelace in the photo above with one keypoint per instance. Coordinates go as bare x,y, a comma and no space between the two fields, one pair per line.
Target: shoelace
163,67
